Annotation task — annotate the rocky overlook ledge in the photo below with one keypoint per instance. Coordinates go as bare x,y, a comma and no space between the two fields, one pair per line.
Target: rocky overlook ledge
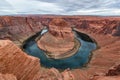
15,63
59,41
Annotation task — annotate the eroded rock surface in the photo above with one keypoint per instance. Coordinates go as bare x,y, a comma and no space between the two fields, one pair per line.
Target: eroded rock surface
7,77
59,40
105,30
112,74
14,61
18,29
54,74
114,70
107,78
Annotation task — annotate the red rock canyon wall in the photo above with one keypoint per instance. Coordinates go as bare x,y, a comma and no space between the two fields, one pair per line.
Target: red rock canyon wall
105,30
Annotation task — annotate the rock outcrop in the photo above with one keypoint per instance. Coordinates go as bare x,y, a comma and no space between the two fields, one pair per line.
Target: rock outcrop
116,31
105,30
112,74
14,61
7,77
54,74
59,41
18,29
107,78
114,70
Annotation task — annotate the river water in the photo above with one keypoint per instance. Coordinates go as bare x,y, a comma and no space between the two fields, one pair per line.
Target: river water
78,60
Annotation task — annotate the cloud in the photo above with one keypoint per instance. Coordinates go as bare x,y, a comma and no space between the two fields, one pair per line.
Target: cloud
63,7
102,12
33,7
6,8
88,7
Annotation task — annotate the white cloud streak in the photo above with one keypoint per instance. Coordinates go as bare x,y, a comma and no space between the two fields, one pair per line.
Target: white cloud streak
61,7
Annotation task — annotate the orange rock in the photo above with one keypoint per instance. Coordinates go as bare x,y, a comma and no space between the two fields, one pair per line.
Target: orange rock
67,75
107,78
59,40
114,70
100,28
7,77
18,28
23,66
14,61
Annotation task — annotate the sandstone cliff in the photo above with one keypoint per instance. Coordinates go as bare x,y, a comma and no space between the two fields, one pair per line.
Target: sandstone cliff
7,77
105,30
107,78
112,74
18,29
59,41
14,61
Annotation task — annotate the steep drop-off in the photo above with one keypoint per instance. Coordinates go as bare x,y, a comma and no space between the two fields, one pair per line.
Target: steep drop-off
59,41
14,61
105,30
18,29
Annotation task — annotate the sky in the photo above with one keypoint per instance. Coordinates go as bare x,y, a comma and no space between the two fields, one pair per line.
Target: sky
61,7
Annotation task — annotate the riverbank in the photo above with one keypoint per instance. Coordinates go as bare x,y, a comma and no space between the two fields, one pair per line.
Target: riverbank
102,29
60,56
76,60
103,58
66,54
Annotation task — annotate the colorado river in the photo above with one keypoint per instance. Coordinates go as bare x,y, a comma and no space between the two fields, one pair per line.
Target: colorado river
78,60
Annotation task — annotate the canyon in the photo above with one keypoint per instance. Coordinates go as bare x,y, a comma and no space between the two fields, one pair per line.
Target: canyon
59,41
104,63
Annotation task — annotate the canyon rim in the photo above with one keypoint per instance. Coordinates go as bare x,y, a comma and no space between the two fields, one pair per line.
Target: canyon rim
104,63
59,40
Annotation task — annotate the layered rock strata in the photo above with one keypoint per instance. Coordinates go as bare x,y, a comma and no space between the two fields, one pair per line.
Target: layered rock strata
14,61
59,41
19,28
24,67
107,54
7,77
54,74
105,30
107,78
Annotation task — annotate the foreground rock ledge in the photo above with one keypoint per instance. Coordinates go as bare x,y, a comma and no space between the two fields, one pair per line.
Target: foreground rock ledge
17,65
14,61
7,77
59,42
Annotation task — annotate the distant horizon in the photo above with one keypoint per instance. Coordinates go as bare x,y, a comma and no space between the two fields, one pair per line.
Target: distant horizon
60,15
60,7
